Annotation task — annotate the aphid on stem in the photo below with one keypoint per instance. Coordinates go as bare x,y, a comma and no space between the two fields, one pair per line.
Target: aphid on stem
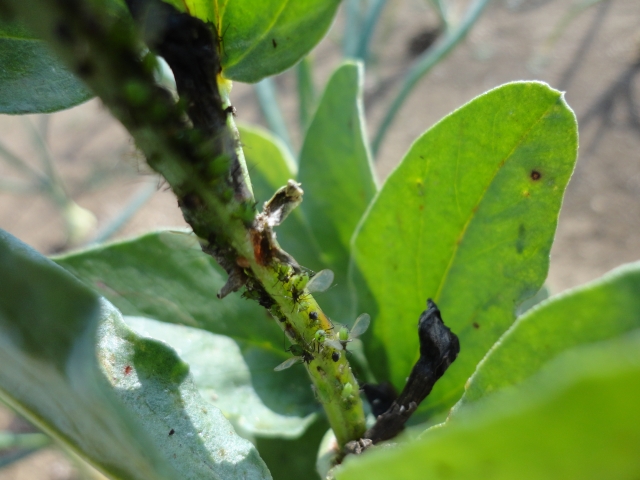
345,336
301,355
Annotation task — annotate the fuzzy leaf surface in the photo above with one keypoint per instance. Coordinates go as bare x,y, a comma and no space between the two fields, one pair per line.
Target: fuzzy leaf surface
124,403
166,277
238,378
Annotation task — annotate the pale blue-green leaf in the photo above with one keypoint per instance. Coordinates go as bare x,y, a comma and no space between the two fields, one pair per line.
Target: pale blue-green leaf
238,378
165,276
124,403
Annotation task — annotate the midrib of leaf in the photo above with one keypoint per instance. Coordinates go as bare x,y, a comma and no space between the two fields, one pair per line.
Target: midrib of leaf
475,209
219,13
260,38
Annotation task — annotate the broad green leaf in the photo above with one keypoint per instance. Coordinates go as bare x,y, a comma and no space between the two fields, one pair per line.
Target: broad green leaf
337,177
124,403
259,38
603,309
165,276
32,80
578,419
467,219
238,378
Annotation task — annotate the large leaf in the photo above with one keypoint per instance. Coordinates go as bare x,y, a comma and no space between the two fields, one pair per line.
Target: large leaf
259,38
124,403
467,219
337,176
165,276
32,80
238,378
603,309
578,419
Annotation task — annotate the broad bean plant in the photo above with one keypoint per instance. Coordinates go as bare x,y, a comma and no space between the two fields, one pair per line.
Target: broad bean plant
313,320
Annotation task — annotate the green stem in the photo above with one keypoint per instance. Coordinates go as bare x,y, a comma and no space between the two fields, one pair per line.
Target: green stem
425,63
368,27
200,170
23,440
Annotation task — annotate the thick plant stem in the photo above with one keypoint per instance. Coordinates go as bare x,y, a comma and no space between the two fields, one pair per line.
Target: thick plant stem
204,167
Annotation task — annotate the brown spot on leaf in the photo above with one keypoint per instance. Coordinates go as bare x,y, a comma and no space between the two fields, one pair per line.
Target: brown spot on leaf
535,175
127,370
171,432
476,325
274,43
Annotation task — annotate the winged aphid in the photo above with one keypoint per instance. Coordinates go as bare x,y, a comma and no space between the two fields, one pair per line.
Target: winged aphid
345,335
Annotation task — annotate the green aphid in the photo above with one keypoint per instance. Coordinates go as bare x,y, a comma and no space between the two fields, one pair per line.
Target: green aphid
347,390
345,336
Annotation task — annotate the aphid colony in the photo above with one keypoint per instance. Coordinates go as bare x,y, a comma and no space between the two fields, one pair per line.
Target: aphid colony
304,353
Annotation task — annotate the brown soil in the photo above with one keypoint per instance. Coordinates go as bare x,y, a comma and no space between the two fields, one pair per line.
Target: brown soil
594,58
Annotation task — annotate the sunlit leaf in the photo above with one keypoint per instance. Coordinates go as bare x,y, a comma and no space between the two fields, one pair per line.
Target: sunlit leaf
467,219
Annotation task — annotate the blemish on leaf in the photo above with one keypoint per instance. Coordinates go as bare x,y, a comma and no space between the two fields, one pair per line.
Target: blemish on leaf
535,175
521,237
420,185
421,207
127,370
275,44
476,325
526,193
171,432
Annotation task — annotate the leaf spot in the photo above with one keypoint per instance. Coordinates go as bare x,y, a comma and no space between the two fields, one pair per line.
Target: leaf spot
535,175
127,370
476,325
274,43
171,432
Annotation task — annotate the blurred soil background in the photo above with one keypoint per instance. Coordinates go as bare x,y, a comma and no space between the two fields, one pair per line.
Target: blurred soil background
596,61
